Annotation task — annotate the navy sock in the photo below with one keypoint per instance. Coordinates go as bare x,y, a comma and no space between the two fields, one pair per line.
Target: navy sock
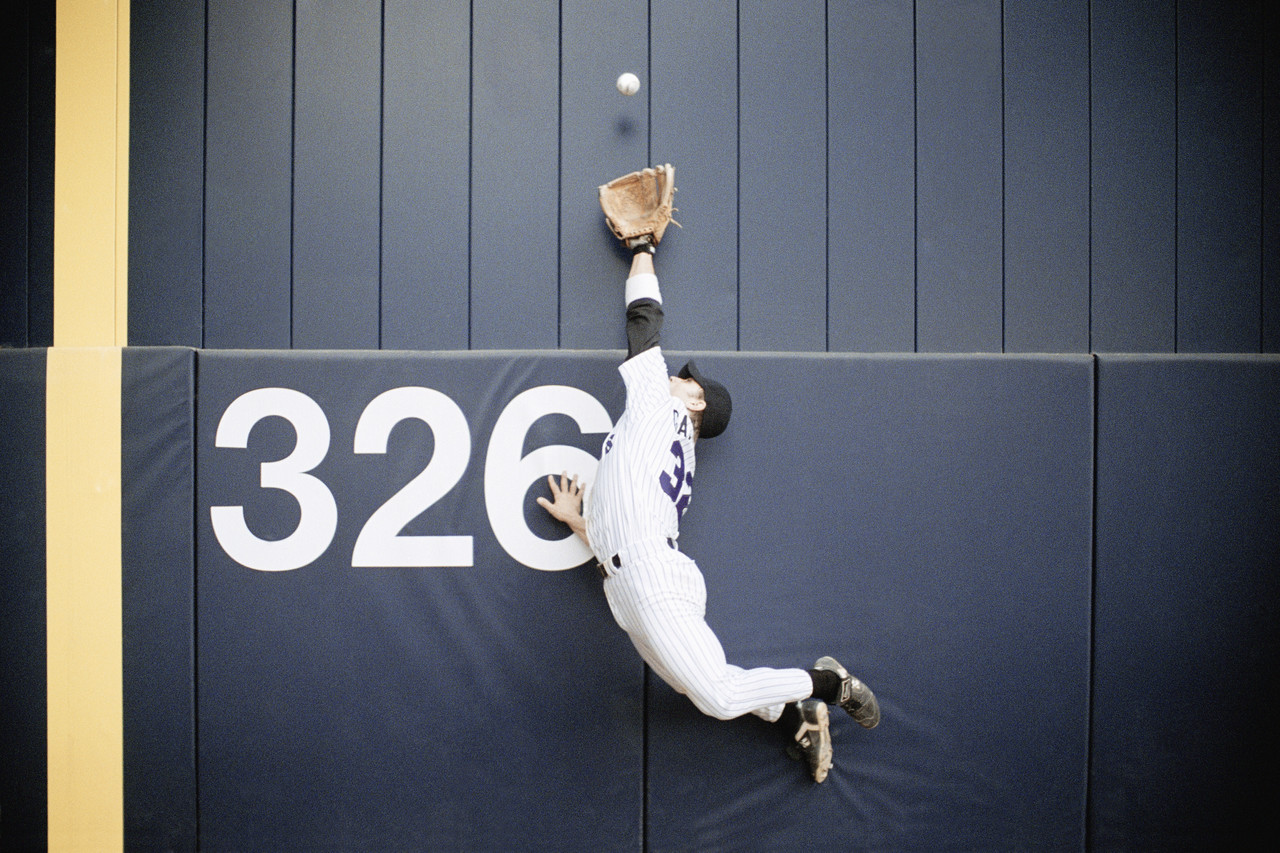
790,719
826,685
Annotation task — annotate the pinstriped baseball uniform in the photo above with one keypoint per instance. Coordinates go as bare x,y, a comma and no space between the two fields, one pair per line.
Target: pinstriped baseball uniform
642,488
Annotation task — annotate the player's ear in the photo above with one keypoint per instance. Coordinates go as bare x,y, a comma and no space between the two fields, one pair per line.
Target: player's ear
696,405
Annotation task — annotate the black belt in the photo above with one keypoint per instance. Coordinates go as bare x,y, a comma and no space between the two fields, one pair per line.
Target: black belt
616,560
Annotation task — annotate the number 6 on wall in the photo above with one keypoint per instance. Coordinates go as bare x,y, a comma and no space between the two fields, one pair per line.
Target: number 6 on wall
508,476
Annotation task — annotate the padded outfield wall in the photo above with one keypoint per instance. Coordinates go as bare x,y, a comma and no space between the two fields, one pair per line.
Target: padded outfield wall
1058,573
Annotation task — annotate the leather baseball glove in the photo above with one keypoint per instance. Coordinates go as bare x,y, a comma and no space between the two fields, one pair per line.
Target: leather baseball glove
638,206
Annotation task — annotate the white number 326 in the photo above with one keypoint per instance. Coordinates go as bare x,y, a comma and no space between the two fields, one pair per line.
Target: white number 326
381,543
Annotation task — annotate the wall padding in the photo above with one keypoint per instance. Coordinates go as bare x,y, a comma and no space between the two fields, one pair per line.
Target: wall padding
23,702
1186,646
927,522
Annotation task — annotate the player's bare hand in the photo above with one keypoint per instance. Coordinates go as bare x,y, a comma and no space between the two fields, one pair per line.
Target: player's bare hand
566,498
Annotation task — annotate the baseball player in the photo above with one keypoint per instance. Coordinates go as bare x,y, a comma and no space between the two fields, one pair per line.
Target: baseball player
632,524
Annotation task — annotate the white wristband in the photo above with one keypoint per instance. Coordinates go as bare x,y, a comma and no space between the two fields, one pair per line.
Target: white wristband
643,286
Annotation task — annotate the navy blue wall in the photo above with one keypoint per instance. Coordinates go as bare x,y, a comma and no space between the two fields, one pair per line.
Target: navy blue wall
1186,647
469,704
935,535
1042,176
1057,571
927,521
26,176
157,407
24,741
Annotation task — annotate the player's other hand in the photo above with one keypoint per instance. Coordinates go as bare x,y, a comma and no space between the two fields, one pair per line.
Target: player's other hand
566,499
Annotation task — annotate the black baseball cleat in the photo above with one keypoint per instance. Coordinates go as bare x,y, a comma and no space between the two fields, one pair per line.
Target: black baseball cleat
855,697
813,737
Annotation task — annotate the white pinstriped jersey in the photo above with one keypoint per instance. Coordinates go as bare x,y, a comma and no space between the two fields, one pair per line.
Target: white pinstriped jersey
645,479
642,487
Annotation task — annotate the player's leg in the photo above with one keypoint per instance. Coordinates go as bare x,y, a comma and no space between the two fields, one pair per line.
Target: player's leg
807,727
692,653
834,684
672,636
669,630
804,723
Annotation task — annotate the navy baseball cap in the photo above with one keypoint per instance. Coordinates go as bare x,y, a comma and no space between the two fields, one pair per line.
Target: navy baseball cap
715,417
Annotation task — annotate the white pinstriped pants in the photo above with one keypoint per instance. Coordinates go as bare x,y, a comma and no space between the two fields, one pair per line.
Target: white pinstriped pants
661,602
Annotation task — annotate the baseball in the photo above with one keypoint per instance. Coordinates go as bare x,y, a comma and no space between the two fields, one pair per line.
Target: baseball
628,83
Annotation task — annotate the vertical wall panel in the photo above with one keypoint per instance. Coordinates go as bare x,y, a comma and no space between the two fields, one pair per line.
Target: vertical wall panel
871,207
248,174
1186,647
1046,156
24,740
694,126
1219,169
515,175
604,134
13,181
958,114
1271,185
166,174
1134,176
26,178
783,176
40,176
426,174
337,174
157,403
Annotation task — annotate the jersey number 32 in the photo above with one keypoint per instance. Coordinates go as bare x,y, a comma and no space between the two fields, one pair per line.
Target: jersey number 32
677,484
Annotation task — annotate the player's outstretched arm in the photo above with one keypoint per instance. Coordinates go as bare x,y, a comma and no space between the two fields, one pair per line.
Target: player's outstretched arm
641,263
644,306
566,503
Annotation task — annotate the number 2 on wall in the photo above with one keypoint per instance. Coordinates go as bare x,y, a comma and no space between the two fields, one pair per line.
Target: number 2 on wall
380,542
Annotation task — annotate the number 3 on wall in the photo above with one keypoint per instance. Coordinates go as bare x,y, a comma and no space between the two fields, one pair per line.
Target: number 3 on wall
319,518
380,543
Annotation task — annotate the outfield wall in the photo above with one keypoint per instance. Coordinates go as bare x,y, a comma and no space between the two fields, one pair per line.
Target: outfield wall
1057,572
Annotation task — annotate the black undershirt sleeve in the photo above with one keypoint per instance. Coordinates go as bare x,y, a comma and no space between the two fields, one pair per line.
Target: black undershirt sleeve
644,326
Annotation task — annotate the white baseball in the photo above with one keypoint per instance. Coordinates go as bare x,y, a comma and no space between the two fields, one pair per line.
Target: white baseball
628,83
